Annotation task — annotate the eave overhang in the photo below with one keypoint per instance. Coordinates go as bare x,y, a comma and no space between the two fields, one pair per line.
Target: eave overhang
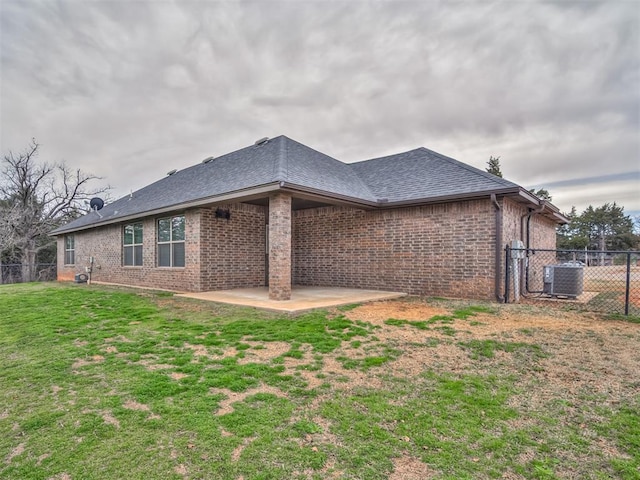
518,194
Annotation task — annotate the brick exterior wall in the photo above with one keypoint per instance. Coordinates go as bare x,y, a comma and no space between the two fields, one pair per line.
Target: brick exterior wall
280,247
232,255
542,234
233,251
445,249
437,250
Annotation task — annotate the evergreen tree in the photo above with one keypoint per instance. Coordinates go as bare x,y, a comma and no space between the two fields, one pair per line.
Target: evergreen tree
493,166
601,228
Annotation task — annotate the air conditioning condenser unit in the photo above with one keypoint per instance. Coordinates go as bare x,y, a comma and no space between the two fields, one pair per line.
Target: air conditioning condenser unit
563,280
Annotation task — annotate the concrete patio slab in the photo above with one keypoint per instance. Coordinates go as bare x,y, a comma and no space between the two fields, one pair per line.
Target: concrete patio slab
302,298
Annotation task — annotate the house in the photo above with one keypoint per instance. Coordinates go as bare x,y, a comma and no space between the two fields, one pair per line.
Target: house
279,213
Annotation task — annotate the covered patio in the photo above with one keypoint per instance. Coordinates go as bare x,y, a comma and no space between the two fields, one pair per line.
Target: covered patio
302,298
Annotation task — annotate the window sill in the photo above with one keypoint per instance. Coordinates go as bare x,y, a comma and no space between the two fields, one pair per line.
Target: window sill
170,268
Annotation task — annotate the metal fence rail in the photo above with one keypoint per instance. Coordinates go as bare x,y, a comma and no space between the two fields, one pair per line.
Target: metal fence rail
606,281
14,272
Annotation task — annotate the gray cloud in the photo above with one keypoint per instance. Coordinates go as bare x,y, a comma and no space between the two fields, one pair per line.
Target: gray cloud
130,90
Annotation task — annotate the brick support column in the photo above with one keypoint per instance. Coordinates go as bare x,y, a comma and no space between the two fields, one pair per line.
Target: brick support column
280,247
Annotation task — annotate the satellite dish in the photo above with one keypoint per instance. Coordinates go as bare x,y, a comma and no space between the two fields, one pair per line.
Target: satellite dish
96,203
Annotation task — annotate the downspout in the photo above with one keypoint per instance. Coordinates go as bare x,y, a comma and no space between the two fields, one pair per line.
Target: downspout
527,244
498,248
531,213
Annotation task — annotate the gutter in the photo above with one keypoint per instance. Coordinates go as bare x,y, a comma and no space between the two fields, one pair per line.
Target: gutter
238,195
498,248
449,198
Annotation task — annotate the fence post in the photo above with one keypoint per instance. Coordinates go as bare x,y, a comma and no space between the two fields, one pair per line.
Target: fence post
507,276
628,285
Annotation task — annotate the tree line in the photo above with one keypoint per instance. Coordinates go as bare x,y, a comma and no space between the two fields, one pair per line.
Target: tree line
35,198
603,228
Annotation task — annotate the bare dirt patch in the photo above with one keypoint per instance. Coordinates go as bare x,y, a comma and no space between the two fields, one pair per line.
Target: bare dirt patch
133,405
181,470
61,476
149,364
178,375
202,351
582,352
226,405
377,312
354,378
109,419
235,455
410,468
83,362
265,352
19,450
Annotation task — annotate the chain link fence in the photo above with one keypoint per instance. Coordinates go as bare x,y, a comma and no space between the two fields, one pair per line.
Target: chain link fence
604,281
16,272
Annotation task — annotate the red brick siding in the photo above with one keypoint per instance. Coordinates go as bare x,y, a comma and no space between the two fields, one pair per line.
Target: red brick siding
445,249
542,231
542,234
105,245
233,251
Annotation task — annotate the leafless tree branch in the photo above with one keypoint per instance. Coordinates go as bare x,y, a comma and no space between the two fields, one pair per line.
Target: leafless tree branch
36,198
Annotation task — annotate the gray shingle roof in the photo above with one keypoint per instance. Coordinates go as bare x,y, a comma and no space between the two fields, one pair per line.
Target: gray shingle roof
423,174
419,174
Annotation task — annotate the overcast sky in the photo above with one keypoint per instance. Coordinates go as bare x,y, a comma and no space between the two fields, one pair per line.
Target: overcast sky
129,90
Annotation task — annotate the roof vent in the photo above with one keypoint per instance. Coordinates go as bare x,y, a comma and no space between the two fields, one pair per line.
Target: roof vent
208,159
261,141
171,172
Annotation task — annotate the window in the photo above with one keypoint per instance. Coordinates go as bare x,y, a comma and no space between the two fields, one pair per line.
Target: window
171,242
69,250
132,245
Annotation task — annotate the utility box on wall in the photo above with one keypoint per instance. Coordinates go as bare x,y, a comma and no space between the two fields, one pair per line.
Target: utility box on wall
563,280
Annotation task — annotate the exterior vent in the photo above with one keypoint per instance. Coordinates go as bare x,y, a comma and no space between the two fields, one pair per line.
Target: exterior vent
563,280
261,141
171,172
208,159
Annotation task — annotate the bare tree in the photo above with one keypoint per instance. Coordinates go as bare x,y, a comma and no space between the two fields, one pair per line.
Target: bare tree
35,199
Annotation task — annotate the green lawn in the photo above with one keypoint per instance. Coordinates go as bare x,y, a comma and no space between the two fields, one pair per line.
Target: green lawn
106,383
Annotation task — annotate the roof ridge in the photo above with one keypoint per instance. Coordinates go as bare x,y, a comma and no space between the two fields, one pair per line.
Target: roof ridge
363,183
386,156
283,159
471,168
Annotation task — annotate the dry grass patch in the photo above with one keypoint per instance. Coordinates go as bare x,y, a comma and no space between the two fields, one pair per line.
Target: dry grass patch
410,468
133,405
226,405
